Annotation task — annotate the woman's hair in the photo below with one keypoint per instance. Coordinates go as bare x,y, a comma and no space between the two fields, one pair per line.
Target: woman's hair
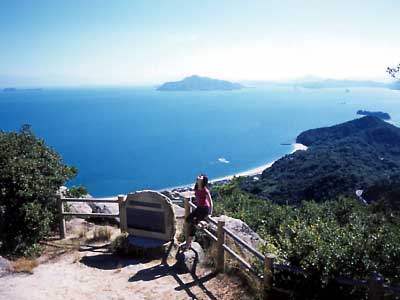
204,181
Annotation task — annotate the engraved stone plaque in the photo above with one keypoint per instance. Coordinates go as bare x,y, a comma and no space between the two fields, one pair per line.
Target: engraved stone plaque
148,214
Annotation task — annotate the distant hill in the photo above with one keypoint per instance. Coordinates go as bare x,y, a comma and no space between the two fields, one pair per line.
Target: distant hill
395,85
11,89
314,82
356,155
344,83
378,114
197,83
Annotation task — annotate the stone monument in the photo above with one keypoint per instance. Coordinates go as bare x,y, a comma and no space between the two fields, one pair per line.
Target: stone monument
149,219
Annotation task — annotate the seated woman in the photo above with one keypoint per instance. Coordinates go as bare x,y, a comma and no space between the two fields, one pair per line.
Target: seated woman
204,207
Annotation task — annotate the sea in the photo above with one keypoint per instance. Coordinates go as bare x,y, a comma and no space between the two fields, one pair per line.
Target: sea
124,139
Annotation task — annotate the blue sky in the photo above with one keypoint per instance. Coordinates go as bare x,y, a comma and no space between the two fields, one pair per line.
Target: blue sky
147,42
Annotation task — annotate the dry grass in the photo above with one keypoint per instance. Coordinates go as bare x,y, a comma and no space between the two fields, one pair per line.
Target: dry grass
77,257
24,265
70,244
102,233
82,232
211,256
233,267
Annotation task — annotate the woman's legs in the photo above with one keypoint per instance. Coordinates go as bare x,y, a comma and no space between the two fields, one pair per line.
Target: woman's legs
190,221
199,214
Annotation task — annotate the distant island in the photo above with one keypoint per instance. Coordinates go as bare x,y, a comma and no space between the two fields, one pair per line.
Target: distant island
314,82
378,114
11,89
344,83
198,83
395,85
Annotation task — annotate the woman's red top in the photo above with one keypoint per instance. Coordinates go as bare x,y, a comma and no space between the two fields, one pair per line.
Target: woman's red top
203,197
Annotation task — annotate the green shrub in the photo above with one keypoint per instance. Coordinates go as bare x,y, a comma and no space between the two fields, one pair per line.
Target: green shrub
76,191
118,245
329,239
33,251
31,173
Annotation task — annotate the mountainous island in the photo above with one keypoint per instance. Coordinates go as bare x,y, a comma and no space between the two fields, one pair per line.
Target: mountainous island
362,154
12,89
198,83
344,83
395,85
340,83
378,114
314,82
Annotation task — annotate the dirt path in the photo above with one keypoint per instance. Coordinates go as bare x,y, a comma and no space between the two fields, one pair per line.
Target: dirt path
97,274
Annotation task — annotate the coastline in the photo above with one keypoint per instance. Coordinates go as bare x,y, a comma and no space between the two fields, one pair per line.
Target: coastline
251,172
258,170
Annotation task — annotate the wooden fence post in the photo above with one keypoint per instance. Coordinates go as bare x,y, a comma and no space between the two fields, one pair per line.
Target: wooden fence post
63,231
375,287
268,275
220,247
187,213
186,206
122,213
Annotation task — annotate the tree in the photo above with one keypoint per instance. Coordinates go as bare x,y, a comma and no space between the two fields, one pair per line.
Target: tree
393,71
76,191
31,173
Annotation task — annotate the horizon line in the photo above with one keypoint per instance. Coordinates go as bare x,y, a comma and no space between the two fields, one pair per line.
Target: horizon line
133,84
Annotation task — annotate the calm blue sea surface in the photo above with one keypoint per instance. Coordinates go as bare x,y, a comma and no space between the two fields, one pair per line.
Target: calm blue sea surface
127,139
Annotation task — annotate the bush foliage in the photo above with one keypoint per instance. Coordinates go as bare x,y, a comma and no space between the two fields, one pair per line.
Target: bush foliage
329,239
31,174
76,191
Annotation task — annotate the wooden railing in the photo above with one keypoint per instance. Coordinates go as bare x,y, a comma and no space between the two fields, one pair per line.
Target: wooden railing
63,214
222,247
375,286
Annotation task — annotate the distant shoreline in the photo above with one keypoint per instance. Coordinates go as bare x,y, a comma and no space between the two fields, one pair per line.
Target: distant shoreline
251,172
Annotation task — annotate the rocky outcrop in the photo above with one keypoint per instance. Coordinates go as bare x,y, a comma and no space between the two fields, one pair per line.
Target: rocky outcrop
5,267
104,208
80,207
187,261
87,208
241,229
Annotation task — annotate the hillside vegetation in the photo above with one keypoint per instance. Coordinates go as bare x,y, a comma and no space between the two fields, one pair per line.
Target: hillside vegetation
327,240
361,154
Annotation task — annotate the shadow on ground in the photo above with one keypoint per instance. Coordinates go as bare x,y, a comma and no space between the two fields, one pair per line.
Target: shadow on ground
162,270
107,261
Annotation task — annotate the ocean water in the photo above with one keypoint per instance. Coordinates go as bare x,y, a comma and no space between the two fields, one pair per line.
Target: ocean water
128,139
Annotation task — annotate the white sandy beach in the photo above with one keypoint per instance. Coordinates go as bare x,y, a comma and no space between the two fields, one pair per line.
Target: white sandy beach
260,169
250,172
